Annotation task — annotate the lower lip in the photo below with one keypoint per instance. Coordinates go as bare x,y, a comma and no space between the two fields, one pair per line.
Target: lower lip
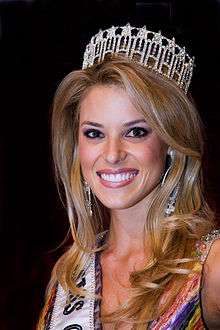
110,184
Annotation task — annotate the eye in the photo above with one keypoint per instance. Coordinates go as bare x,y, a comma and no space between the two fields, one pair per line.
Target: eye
93,133
138,132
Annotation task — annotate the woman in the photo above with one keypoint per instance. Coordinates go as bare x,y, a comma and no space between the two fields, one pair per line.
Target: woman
127,147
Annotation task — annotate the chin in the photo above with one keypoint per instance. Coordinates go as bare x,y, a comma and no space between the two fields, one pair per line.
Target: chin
118,204
125,200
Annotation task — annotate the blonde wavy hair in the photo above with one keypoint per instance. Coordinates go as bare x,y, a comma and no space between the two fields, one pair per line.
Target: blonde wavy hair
172,239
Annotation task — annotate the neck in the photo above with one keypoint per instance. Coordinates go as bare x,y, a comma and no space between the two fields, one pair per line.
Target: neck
127,229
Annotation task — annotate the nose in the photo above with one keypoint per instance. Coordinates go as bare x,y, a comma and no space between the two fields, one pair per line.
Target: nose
114,151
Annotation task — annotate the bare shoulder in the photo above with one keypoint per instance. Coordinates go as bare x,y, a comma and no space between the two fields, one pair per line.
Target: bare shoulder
210,292
212,263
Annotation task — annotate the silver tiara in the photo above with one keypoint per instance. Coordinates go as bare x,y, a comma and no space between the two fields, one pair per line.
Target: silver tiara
154,51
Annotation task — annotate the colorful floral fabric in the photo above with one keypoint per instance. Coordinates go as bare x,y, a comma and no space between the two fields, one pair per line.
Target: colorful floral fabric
184,313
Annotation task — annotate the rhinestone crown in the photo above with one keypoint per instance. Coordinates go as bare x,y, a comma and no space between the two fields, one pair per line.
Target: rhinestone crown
154,51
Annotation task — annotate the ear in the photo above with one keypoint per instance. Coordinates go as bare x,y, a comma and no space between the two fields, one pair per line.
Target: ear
169,158
171,153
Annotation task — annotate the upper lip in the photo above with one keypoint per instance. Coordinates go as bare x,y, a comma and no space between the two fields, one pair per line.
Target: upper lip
120,170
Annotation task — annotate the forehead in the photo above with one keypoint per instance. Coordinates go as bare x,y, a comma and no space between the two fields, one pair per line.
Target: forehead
108,104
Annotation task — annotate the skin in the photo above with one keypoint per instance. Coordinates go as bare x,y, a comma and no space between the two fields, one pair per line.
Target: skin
115,147
210,292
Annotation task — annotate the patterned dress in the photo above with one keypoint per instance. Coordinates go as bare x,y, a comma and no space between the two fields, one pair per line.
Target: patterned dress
67,312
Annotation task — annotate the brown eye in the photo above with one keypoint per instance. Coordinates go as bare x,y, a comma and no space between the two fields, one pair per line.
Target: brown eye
137,132
93,133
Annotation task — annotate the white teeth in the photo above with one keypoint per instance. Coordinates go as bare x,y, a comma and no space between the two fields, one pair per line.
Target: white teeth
117,177
111,176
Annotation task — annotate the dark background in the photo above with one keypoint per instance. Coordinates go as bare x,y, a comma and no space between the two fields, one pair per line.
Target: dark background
41,41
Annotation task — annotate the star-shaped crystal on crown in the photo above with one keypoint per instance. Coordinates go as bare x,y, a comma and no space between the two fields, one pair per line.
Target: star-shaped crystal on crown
164,51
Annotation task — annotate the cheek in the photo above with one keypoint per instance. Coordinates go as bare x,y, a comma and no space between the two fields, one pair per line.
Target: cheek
87,156
153,157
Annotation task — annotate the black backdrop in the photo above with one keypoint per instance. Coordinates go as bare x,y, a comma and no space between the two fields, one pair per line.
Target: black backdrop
41,41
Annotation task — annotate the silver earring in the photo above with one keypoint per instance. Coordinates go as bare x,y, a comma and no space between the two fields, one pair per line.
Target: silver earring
170,153
170,208
87,190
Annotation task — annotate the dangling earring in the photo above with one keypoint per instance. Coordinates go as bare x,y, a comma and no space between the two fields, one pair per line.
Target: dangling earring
170,153
170,208
87,190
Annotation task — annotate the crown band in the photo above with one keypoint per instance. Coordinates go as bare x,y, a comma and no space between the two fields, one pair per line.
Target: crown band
154,51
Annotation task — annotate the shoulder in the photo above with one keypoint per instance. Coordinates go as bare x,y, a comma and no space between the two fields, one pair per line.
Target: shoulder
210,291
211,271
212,262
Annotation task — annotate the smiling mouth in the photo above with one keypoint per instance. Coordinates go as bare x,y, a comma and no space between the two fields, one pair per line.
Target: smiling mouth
119,177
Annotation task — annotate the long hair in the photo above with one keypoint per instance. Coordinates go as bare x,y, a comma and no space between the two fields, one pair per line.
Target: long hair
172,239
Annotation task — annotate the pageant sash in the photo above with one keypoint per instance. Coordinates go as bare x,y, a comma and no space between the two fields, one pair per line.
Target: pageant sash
74,312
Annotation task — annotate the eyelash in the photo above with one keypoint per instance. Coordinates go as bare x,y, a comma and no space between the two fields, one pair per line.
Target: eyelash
92,130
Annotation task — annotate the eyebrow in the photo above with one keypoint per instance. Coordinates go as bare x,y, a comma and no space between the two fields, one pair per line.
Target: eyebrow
130,123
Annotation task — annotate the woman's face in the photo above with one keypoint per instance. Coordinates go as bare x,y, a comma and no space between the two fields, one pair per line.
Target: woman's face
121,157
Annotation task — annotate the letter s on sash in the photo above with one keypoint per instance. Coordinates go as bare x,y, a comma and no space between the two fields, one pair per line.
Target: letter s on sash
73,327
